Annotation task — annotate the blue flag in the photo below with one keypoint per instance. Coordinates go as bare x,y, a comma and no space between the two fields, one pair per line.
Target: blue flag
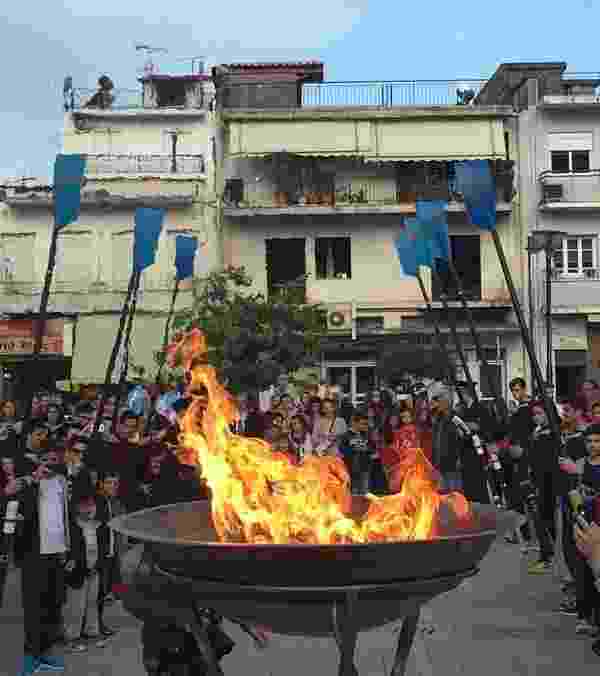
412,248
433,222
475,181
148,224
185,253
68,179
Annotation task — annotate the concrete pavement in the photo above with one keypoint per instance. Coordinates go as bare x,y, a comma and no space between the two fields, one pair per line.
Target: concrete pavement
500,623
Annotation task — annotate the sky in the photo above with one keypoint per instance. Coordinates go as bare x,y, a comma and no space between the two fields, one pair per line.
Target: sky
356,39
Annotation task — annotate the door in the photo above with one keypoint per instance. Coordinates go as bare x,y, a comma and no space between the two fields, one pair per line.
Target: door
286,266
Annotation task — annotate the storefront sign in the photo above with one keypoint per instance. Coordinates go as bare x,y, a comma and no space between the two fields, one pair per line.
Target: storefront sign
17,337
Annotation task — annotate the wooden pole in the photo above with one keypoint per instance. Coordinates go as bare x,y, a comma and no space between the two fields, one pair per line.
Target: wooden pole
440,339
168,326
500,402
40,324
133,281
526,336
126,344
455,336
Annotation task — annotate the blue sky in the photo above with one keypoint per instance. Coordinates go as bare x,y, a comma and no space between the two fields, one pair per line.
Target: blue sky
357,40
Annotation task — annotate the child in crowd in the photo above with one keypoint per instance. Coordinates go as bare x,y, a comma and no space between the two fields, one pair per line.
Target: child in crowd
358,452
89,547
109,506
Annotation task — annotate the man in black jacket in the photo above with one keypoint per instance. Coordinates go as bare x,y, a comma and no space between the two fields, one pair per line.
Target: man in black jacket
42,543
447,442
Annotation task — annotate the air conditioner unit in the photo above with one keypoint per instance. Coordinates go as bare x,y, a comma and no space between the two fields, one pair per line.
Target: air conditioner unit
553,192
339,319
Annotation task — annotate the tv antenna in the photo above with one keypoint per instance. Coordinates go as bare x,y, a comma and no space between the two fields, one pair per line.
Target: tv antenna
149,50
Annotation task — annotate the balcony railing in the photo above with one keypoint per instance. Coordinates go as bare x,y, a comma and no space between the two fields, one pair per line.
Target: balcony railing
585,275
145,164
354,194
389,94
123,99
570,189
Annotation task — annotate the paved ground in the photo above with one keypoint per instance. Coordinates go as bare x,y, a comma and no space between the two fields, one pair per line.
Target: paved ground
500,623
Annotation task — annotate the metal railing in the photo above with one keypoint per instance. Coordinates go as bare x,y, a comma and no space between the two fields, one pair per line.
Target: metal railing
145,164
583,275
570,187
387,94
123,99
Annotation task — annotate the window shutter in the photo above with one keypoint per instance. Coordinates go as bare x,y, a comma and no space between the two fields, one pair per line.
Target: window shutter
570,141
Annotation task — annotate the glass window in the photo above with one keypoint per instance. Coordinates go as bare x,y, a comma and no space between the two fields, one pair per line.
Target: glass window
560,161
333,257
580,160
577,255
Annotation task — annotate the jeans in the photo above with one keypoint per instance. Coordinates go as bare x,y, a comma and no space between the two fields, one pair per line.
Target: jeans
81,610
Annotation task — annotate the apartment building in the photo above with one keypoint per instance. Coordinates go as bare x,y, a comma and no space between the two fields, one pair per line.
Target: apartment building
146,148
316,178
559,185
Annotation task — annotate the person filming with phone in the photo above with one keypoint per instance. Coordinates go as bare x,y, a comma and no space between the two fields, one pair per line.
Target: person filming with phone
42,544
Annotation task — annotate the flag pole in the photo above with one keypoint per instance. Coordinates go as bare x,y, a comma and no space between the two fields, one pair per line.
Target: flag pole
126,347
454,333
526,336
40,325
168,326
501,403
440,339
133,282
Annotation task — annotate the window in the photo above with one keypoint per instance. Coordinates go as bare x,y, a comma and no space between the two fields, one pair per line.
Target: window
570,161
576,257
333,257
18,260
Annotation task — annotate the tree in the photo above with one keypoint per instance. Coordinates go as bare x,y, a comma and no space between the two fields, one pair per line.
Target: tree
252,340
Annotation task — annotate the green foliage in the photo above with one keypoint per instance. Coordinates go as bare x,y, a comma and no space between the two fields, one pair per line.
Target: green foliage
252,340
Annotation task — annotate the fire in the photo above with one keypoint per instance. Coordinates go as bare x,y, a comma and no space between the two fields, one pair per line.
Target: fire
260,496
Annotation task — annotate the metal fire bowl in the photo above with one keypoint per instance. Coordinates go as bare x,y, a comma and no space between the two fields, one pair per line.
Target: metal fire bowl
184,543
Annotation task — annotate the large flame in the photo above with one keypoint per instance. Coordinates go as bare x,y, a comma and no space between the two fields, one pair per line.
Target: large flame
261,496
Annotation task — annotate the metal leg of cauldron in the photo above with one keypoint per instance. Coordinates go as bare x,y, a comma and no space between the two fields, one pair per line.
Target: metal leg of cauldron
346,633
201,635
405,642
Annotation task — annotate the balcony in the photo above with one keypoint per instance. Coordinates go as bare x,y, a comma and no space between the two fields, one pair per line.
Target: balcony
354,197
105,199
146,165
290,93
575,191
573,291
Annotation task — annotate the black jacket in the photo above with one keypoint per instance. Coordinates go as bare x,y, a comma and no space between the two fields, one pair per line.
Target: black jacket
447,445
77,576
520,426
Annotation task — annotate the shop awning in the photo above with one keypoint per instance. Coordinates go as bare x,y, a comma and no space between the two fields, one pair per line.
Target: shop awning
377,140
94,338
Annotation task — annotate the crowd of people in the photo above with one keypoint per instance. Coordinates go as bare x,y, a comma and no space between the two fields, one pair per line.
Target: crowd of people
68,477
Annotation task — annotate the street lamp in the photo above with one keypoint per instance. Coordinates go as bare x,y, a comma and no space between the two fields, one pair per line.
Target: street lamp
548,241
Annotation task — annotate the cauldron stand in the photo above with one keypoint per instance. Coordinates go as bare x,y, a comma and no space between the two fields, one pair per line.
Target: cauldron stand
342,605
